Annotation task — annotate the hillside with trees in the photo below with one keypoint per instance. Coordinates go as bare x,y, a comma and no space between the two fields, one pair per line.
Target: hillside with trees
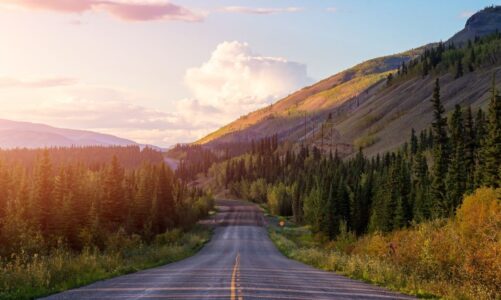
372,103
424,179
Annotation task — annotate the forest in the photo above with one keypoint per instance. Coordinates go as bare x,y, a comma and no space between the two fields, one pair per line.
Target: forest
93,157
424,179
76,215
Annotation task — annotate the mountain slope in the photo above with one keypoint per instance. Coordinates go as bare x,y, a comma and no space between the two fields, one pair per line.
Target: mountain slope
15,134
365,109
284,115
482,23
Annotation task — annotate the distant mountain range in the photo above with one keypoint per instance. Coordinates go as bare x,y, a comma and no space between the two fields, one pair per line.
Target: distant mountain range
14,134
365,110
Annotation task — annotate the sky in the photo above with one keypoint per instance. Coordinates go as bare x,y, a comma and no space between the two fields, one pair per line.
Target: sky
165,72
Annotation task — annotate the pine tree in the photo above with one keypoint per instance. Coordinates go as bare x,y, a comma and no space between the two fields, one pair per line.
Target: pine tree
165,200
440,154
469,150
414,142
480,134
422,206
112,207
456,175
43,194
4,190
459,69
492,150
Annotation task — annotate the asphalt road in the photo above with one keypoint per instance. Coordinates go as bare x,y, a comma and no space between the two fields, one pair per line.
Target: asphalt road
240,262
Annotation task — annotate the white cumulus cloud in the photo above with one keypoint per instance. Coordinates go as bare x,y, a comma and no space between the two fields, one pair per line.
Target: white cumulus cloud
236,80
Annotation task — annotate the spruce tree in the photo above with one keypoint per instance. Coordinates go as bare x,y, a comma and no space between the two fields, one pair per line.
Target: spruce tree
492,150
469,149
113,208
480,133
440,154
421,183
459,69
43,193
456,175
414,142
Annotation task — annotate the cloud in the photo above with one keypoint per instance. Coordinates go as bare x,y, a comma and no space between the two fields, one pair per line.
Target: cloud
232,82
148,12
332,9
260,10
135,11
86,106
6,82
466,14
235,81
109,110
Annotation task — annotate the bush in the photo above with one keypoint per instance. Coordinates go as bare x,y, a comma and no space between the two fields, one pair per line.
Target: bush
457,258
258,191
279,200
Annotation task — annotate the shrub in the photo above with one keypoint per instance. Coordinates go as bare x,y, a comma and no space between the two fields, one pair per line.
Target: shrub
279,201
455,258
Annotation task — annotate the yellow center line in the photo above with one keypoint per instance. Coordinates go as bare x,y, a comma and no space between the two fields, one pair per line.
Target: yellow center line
234,278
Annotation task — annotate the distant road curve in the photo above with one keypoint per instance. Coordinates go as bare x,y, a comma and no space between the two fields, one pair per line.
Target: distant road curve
240,262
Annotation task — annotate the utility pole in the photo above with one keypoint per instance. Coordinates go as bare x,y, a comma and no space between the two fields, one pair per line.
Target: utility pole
322,136
332,137
304,138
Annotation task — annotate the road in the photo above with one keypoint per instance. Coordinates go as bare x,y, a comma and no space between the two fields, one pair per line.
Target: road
240,262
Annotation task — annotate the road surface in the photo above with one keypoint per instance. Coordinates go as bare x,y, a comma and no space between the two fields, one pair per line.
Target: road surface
240,262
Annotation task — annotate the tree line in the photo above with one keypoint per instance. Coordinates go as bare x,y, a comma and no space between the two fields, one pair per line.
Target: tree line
424,179
197,159
457,60
72,204
94,157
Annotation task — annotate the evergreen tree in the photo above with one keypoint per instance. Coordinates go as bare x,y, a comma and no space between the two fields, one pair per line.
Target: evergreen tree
469,149
492,149
422,206
456,175
440,154
165,210
480,133
459,69
113,208
44,185
414,142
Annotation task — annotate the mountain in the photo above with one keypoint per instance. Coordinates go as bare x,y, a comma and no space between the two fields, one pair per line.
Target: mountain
480,24
14,134
286,116
360,107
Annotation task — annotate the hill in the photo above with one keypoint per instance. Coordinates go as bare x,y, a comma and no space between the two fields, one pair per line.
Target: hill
14,134
360,107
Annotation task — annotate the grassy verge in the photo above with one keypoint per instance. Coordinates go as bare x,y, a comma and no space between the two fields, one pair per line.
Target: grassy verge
456,258
29,276
299,244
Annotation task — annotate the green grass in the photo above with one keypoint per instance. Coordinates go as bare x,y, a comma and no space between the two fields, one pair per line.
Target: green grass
25,276
299,244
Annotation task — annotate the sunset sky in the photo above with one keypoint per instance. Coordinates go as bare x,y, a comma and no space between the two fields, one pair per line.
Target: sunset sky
165,72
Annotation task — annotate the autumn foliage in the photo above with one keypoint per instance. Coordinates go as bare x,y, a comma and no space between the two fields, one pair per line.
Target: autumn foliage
465,250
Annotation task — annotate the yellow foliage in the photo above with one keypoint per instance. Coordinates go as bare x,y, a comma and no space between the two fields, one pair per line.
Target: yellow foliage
459,258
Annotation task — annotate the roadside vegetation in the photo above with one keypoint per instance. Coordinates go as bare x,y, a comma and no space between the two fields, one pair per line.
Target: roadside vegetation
28,276
423,219
455,258
401,215
67,220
